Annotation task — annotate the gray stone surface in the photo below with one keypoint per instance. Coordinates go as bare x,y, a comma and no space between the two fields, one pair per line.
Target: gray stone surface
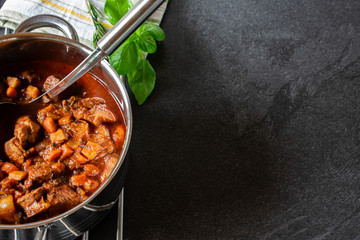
252,131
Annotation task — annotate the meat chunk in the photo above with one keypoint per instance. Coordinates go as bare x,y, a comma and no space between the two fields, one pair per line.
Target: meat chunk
43,171
102,136
50,82
62,198
118,134
49,111
91,170
79,129
14,150
93,110
29,76
52,183
26,130
33,202
110,162
7,183
86,183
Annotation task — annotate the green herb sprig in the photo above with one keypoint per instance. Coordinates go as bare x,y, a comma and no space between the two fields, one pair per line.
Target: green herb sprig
99,28
130,58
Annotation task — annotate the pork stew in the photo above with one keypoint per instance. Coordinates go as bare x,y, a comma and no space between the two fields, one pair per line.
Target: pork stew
59,154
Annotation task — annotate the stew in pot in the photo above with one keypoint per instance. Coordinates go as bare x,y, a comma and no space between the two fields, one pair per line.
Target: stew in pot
55,154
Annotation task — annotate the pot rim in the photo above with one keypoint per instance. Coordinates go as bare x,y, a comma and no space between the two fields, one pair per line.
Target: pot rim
126,107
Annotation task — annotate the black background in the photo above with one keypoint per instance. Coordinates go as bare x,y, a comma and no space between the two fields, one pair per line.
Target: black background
252,130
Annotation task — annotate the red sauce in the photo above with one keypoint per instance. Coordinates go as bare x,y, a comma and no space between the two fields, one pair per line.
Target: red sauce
77,144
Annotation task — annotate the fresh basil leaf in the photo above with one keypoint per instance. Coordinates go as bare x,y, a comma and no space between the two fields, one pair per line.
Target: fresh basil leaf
116,9
147,43
126,58
153,30
142,81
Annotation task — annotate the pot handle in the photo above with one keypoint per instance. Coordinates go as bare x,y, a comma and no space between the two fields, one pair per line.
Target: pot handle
47,20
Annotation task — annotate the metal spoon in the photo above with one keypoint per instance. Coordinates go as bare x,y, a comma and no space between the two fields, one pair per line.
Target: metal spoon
107,44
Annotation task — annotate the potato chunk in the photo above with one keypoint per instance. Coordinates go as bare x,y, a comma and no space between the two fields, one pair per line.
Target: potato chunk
32,91
9,167
17,175
13,82
7,208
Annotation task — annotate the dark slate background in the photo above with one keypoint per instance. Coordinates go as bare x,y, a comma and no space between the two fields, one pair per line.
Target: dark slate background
252,130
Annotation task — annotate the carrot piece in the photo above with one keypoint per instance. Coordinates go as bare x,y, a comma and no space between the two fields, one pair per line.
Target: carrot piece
65,120
119,134
91,149
91,170
58,136
17,175
7,208
53,155
78,180
66,151
13,82
27,164
74,143
79,158
49,125
32,91
9,167
11,92
30,152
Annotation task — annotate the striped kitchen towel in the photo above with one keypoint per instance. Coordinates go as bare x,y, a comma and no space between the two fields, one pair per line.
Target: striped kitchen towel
76,12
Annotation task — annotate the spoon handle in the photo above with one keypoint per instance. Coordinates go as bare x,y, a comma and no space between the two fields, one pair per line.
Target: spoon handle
127,25
108,43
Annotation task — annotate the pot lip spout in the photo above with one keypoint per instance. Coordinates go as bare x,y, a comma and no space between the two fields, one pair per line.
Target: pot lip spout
123,101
